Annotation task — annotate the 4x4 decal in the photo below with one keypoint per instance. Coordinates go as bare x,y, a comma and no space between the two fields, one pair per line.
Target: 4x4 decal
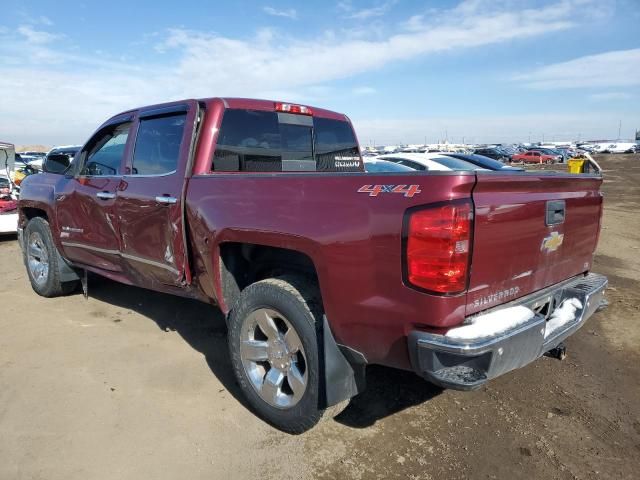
374,190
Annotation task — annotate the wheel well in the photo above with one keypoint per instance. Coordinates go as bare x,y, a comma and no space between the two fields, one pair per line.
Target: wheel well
242,264
30,213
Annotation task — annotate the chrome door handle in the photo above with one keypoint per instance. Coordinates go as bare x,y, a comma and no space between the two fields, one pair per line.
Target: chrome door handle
167,200
105,195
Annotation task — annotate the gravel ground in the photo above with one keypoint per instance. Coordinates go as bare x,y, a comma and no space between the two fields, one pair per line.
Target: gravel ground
132,384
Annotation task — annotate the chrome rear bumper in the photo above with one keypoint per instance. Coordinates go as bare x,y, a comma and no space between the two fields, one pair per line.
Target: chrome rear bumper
467,363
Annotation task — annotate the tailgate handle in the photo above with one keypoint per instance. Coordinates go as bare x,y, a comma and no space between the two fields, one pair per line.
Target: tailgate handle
555,212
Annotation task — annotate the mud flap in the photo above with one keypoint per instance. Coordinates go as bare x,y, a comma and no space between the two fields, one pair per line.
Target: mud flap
343,370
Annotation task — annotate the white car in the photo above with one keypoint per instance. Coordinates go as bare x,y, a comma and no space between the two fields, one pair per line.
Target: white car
430,161
8,217
621,147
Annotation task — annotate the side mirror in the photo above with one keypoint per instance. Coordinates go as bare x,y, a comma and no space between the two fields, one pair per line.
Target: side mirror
56,163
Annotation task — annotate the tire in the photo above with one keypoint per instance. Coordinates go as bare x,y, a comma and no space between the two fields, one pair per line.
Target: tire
41,260
277,356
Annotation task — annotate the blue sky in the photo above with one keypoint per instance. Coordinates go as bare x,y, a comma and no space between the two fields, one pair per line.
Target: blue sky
404,71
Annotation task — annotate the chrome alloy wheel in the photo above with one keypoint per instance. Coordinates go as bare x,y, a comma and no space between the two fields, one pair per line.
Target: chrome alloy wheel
38,258
273,358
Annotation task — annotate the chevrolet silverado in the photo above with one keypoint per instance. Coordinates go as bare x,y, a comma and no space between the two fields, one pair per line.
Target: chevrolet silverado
263,209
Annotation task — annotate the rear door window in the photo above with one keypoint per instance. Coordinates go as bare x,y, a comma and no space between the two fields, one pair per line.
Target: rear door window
263,141
158,144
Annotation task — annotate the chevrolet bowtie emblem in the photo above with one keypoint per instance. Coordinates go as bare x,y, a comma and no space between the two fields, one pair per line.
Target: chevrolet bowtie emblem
552,242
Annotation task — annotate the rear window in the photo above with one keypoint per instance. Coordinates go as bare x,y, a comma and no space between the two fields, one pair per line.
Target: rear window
260,141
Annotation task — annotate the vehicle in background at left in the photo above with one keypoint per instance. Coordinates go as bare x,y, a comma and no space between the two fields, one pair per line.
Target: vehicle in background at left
8,208
69,150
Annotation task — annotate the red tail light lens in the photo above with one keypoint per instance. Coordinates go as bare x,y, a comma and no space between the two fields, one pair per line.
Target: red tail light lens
291,108
438,247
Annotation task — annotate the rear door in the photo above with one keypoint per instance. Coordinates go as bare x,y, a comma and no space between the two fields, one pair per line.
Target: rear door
150,198
531,231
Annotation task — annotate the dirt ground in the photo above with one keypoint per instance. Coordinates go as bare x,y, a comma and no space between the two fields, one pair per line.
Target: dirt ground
131,384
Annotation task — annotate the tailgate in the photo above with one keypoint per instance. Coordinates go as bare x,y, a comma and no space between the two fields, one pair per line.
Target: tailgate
523,241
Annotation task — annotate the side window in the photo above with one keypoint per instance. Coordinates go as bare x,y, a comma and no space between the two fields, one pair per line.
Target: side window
336,146
249,140
158,144
104,155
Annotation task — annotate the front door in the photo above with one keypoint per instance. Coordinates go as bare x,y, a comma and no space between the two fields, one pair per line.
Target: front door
149,200
85,207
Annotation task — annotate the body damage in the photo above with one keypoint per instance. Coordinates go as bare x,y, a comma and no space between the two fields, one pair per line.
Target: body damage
352,238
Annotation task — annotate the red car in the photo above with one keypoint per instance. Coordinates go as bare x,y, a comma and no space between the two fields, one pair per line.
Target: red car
533,157
264,209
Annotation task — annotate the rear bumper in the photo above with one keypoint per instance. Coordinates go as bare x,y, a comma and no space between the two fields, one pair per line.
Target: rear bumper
466,363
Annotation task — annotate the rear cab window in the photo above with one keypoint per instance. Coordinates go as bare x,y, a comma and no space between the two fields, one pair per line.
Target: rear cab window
266,141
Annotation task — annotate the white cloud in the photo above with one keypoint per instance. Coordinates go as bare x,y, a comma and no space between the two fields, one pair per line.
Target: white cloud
53,94
365,13
37,37
289,13
276,62
620,68
604,96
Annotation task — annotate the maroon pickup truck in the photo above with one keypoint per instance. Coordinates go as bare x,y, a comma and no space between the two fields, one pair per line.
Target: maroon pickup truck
263,208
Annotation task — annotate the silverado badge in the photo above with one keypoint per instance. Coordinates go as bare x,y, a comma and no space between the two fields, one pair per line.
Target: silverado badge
552,242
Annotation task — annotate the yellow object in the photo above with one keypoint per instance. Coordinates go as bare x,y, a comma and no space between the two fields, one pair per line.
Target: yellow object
18,176
576,165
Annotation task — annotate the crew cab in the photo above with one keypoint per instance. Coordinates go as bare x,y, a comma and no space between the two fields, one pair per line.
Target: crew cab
264,209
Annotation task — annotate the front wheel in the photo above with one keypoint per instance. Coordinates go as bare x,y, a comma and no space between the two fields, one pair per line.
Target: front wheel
273,342
41,259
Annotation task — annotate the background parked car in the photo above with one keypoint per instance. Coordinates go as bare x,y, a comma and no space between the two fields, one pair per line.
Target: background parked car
377,165
430,161
70,150
556,155
495,153
534,156
482,161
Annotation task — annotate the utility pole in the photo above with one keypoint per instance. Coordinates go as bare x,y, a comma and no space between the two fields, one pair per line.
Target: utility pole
619,129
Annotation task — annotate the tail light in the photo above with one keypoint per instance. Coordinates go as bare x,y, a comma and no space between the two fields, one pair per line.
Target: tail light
291,108
438,247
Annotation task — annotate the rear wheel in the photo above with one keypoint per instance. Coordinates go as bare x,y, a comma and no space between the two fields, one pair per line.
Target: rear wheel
41,260
273,341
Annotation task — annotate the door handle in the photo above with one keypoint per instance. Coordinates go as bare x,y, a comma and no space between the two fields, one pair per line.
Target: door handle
556,210
106,195
166,200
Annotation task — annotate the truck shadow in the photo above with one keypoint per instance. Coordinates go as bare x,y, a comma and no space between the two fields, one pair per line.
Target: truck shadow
388,392
203,327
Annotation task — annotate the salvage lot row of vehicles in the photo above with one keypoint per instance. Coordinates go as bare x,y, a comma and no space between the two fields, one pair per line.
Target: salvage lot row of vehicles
517,153
263,209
